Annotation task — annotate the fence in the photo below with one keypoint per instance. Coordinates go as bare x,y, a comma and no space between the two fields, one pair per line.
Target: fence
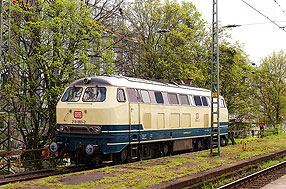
27,160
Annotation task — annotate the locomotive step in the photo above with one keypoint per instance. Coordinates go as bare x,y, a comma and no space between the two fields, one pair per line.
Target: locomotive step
107,162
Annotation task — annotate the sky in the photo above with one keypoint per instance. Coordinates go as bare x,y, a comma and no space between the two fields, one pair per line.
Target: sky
259,37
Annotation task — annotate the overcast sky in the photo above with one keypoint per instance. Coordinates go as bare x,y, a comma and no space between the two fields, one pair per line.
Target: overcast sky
259,36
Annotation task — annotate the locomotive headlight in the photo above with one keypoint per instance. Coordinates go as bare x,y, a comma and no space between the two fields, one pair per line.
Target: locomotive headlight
91,130
54,147
89,149
97,129
66,129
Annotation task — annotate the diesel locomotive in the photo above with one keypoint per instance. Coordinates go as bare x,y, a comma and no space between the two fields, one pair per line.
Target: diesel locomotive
119,119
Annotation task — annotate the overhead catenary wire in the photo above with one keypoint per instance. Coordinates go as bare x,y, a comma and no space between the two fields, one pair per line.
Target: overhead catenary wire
280,7
123,35
249,24
259,23
283,28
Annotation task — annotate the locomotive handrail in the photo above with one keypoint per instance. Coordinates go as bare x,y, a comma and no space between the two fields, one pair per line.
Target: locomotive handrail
139,124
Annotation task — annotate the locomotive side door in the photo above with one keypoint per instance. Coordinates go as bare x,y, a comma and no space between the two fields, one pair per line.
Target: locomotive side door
134,115
134,131
134,122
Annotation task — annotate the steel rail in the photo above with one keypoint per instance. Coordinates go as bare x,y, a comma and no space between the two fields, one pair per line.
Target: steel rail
5,179
246,179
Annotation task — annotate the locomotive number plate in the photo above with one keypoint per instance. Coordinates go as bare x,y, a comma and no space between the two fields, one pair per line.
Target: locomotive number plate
78,121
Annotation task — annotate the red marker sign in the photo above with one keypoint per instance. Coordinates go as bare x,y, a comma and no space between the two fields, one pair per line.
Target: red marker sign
197,116
77,114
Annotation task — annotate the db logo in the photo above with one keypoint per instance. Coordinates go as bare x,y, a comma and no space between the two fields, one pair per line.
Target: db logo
77,114
197,116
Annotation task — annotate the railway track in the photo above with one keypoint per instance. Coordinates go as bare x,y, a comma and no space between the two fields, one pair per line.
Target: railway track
259,179
255,180
5,179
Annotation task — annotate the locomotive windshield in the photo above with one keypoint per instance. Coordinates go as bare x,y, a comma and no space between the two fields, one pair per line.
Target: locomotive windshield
72,94
94,94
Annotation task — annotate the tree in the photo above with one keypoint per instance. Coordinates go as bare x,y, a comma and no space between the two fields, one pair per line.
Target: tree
235,73
173,41
106,12
235,81
177,45
270,88
53,43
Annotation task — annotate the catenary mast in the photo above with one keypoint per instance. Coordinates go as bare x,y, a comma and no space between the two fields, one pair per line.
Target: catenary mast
215,120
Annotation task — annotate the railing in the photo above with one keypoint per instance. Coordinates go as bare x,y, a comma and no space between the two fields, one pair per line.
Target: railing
248,133
30,159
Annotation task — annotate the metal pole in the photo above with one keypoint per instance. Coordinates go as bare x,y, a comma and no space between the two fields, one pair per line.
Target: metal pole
215,111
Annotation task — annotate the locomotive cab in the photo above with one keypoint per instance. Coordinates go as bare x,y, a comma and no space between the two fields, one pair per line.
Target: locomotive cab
84,109
87,114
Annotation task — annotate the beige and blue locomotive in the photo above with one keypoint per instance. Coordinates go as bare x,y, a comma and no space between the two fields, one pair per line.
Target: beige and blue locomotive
118,119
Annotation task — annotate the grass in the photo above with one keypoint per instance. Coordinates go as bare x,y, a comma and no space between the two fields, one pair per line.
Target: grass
243,173
150,172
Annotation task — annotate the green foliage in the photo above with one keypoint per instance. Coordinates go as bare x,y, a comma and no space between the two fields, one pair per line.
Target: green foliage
269,88
53,43
173,37
177,46
235,73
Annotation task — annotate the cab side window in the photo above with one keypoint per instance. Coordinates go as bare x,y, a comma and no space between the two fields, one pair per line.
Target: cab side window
198,101
159,98
205,102
121,95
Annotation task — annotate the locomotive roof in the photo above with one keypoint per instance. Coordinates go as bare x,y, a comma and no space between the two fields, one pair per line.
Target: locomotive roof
123,81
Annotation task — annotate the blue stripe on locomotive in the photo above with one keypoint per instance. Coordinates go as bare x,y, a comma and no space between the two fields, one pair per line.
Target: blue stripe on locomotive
115,137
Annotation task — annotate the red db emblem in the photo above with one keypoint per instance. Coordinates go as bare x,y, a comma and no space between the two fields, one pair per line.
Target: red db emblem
77,114
197,116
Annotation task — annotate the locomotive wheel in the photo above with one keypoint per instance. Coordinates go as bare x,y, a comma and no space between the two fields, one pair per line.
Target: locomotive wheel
223,141
165,149
79,154
123,155
207,143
